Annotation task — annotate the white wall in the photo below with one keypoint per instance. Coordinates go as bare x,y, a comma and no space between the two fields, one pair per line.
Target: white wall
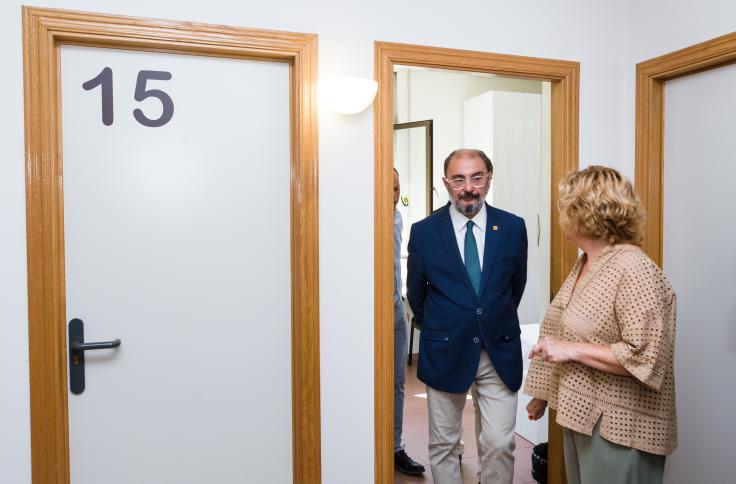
658,27
591,32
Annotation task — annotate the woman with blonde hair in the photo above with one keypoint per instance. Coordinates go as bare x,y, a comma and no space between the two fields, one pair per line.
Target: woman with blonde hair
604,360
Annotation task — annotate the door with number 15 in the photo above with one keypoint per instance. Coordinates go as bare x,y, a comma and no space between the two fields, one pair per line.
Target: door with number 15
176,259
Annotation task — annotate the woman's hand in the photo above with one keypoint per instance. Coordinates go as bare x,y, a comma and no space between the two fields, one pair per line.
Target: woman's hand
596,356
535,408
553,350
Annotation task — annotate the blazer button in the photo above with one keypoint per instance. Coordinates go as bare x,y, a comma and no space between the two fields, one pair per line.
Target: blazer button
506,338
476,340
479,311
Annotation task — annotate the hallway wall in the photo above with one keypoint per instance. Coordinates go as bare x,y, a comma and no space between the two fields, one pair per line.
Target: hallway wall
593,32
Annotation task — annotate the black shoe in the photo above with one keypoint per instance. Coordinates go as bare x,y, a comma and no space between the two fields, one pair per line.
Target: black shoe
405,464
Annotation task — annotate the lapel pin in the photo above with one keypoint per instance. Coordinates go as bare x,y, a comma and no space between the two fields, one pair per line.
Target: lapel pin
495,227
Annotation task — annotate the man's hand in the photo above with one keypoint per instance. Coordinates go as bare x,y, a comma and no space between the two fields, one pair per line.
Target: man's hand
535,408
553,350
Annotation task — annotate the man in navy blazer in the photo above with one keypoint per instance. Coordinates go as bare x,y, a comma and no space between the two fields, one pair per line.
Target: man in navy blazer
466,275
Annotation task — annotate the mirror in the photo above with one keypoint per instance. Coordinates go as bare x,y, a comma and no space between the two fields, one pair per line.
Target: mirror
413,160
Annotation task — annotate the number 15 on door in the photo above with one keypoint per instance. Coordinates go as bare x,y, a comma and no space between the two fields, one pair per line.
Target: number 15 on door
105,81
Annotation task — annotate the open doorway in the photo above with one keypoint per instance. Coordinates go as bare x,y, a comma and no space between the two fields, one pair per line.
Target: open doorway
435,112
487,95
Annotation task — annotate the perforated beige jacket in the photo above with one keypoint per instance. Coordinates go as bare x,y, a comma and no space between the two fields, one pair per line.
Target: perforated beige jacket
626,302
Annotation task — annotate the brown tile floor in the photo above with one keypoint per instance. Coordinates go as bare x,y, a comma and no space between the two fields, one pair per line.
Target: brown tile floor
416,436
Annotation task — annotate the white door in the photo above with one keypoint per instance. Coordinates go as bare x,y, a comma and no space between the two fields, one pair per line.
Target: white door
177,241
699,259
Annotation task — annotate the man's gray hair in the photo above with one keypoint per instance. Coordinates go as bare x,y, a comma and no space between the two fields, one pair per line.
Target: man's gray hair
471,153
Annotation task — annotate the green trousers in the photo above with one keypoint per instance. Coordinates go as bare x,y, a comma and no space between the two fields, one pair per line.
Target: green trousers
594,460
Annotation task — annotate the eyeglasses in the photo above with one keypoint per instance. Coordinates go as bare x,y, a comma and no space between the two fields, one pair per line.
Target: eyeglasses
458,182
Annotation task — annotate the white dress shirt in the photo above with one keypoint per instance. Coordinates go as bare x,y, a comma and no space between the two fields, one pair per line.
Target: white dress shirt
460,224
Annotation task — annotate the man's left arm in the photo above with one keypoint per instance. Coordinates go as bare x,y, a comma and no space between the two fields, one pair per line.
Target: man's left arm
518,279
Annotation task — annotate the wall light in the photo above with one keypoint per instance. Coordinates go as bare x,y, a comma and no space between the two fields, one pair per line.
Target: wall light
348,95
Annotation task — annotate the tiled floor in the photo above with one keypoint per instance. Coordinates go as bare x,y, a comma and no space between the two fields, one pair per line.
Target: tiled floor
416,436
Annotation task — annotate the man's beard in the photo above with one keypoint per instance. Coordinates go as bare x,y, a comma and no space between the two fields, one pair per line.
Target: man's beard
471,209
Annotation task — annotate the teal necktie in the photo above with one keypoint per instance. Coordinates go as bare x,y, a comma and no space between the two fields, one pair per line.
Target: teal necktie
472,262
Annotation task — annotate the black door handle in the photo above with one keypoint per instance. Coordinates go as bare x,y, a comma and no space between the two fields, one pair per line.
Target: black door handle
77,347
101,345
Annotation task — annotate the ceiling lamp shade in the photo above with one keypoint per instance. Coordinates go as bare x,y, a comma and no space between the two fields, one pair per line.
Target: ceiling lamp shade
348,95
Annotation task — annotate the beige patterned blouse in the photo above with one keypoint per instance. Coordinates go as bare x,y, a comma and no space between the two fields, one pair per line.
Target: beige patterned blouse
626,302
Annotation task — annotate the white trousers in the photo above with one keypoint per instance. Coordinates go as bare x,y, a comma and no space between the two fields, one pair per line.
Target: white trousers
495,419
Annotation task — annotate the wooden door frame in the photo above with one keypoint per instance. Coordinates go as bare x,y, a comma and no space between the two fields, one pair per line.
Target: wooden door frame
44,31
564,77
651,76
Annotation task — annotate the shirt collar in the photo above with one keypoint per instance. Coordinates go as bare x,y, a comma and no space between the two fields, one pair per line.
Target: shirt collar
459,220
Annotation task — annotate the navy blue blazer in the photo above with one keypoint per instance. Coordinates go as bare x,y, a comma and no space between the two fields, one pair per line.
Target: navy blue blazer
454,320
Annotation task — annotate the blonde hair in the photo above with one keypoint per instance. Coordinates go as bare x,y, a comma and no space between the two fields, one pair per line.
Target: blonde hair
600,203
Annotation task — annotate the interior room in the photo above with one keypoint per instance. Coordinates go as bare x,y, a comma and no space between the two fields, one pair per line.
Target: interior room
142,141
509,119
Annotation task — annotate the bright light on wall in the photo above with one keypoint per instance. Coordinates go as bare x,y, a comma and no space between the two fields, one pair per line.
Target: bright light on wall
348,95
